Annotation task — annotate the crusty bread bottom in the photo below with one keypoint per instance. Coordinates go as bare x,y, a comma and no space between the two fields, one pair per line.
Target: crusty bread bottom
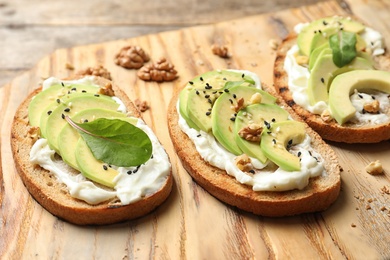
55,198
317,196
332,131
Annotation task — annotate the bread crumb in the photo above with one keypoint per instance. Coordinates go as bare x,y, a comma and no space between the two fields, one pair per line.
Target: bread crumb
374,168
368,207
273,44
353,225
383,208
141,105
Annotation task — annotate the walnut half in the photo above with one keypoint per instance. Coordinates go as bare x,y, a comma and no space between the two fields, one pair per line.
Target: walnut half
220,50
159,71
98,70
251,132
131,57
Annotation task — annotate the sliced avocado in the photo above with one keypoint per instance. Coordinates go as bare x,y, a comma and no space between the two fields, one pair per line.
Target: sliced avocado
276,140
55,121
345,84
92,168
323,37
223,115
261,114
305,37
318,52
198,97
324,72
44,98
68,137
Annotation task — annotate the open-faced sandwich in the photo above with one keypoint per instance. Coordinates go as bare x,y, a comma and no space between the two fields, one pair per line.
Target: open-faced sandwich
248,148
85,154
332,72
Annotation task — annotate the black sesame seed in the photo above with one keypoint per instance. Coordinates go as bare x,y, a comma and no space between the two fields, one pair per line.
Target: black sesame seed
310,153
197,92
58,100
372,43
67,109
319,31
199,135
210,101
324,23
231,101
269,132
290,142
322,80
315,31
359,95
268,125
105,167
234,96
97,95
129,172
373,97
220,92
252,171
69,92
299,154
86,121
62,84
191,83
74,89
363,111
201,79
273,120
232,119
151,157
207,96
208,113
243,75
49,112
63,116
83,91
226,90
274,141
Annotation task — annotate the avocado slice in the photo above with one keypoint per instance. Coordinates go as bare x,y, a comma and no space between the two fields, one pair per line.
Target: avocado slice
55,121
223,116
44,98
317,53
92,168
323,37
199,95
68,137
345,84
305,37
324,72
276,140
262,114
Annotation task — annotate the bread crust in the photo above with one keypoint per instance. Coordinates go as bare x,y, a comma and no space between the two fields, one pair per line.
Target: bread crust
54,197
317,196
332,131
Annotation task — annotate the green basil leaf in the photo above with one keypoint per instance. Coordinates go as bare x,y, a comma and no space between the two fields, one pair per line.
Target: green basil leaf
115,142
343,45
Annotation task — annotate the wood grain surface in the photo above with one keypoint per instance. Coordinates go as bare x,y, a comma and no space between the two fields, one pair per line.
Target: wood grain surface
191,224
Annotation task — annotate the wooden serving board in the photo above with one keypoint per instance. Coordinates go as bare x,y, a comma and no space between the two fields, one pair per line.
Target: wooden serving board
191,224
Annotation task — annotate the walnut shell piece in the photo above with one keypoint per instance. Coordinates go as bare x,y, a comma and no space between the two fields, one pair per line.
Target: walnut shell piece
98,70
159,71
131,57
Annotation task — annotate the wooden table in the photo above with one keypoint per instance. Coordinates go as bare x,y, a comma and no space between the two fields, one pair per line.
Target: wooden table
355,227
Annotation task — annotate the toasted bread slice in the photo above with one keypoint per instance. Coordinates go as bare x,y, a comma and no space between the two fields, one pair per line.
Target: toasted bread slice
332,131
55,197
321,192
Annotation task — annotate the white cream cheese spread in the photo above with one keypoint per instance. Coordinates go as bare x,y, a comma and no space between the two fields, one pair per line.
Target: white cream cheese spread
267,177
146,180
298,77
